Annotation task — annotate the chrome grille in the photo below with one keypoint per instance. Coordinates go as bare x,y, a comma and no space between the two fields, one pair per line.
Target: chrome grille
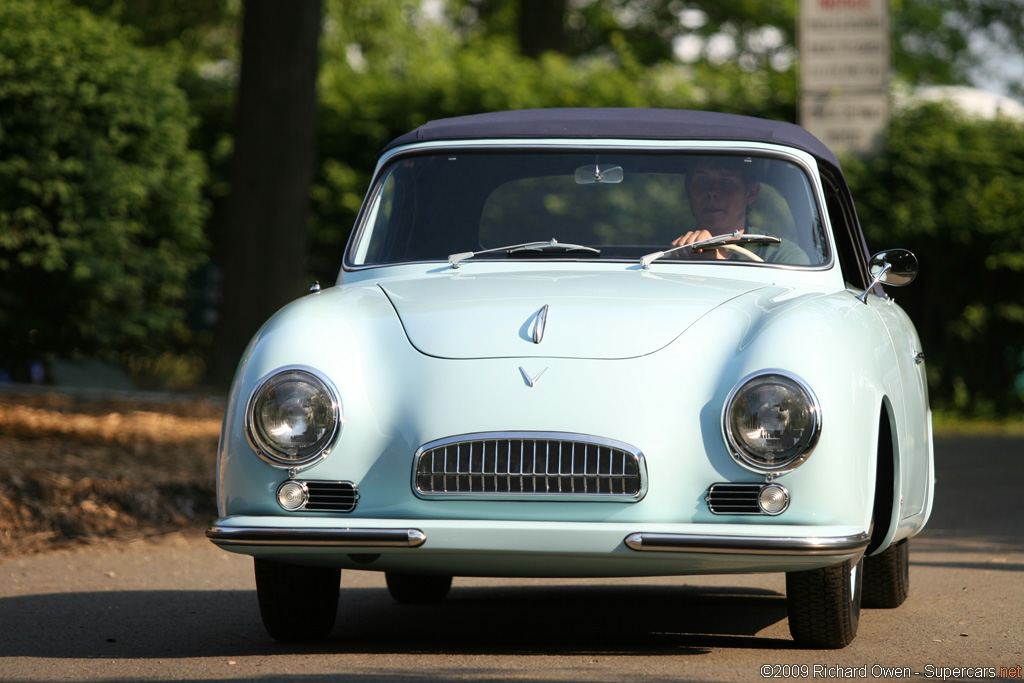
530,465
734,499
331,496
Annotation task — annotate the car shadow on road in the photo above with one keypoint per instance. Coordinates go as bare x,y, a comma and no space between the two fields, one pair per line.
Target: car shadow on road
610,620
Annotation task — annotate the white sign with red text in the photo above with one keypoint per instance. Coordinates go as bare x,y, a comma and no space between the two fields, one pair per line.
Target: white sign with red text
844,71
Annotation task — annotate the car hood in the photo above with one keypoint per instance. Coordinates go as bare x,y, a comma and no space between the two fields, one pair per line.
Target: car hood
599,316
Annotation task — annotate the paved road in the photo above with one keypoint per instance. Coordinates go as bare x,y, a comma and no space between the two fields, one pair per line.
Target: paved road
181,609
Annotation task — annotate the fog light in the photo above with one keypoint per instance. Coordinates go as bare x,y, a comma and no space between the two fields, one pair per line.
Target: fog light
292,495
773,499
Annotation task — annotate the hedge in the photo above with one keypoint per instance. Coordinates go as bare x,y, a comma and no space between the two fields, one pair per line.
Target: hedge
101,215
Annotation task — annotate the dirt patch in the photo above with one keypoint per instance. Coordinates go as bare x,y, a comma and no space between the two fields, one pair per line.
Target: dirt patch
79,470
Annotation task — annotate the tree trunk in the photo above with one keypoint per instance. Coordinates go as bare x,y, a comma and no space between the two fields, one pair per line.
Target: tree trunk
271,172
542,27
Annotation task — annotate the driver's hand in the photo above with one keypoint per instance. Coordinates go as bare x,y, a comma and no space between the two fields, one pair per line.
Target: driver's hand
690,238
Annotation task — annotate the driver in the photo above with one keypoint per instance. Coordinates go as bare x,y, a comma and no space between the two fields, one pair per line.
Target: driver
721,191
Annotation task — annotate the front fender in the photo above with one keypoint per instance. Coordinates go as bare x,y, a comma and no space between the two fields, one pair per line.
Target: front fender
340,332
840,350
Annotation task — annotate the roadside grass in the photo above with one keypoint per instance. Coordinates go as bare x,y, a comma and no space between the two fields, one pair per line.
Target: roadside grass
77,470
949,424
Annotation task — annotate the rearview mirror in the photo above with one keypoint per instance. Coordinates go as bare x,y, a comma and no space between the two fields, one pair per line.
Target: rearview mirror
598,173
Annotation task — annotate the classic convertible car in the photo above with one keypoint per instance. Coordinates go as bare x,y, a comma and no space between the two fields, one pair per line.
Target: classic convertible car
588,343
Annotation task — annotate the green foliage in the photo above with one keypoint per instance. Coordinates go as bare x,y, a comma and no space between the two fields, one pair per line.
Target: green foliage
934,42
202,38
195,27
756,33
942,42
100,198
951,189
926,48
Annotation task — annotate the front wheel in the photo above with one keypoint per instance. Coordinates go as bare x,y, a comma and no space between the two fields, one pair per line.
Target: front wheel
887,577
824,604
297,603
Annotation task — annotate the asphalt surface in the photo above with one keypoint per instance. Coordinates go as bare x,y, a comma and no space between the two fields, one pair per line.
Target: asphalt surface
181,609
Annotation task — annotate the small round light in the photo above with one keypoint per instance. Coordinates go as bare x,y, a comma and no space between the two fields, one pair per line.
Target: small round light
772,422
773,499
292,495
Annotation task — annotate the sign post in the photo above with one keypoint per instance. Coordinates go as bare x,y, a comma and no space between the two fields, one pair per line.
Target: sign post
844,72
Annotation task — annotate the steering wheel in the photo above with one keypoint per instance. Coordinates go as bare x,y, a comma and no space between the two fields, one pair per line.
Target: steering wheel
740,251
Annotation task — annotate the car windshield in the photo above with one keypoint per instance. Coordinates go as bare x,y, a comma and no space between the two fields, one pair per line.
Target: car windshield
471,205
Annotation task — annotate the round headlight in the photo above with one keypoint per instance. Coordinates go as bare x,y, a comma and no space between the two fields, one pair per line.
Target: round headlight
772,422
293,418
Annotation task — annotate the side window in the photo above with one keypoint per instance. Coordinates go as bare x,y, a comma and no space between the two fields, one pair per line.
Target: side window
370,251
848,242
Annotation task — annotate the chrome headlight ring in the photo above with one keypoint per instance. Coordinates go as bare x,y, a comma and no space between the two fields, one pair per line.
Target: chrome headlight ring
771,422
293,417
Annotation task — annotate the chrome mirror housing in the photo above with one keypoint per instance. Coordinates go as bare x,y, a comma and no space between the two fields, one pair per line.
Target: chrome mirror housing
895,267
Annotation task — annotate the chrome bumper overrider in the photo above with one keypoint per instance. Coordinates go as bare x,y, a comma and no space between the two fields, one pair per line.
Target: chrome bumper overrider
335,538
748,545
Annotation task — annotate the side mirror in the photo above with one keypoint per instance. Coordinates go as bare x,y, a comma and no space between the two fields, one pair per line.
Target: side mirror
895,267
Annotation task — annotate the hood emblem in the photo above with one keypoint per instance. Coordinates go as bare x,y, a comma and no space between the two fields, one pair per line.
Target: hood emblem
538,327
532,381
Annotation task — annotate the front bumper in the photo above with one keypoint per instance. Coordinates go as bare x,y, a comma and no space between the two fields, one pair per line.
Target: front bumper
550,549
316,537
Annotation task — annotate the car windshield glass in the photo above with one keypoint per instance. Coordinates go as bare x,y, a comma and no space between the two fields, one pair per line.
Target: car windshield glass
623,206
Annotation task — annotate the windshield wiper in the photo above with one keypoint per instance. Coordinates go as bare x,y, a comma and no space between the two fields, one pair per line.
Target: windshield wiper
552,246
716,242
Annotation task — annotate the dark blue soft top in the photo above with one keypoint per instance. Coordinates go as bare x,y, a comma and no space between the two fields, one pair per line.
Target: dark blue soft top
621,123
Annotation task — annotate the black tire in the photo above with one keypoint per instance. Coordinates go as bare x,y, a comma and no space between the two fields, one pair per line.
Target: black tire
887,577
410,589
297,603
824,604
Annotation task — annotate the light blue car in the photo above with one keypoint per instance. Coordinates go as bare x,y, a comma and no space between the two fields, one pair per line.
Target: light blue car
588,343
